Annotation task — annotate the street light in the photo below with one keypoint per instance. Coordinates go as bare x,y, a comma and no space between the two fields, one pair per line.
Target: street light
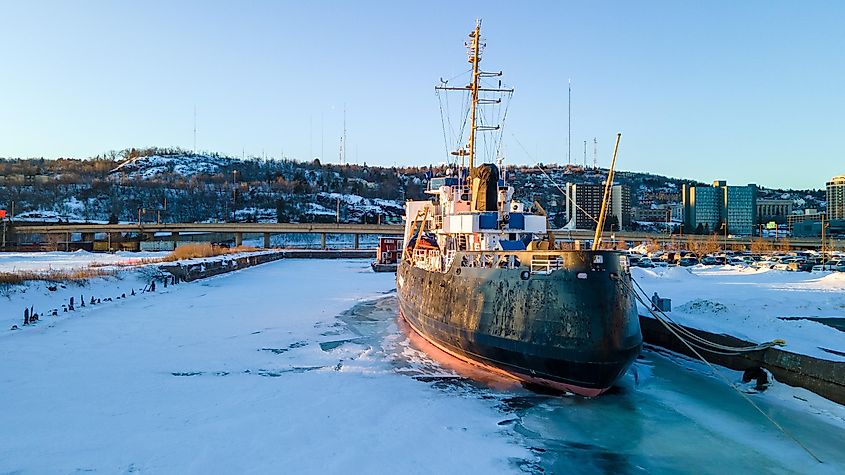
234,193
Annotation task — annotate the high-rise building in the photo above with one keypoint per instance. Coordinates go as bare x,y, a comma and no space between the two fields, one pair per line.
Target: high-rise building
710,208
583,205
740,211
702,208
836,197
620,201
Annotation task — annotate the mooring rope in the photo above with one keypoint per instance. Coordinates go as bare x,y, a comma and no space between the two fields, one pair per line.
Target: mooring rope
706,345
669,326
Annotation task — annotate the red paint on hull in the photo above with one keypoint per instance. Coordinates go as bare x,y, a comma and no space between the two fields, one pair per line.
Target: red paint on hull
586,392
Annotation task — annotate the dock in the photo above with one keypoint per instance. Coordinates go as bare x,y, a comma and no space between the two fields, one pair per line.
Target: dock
823,377
188,271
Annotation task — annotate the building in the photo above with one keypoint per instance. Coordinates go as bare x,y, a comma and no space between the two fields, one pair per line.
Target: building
652,215
702,208
809,228
739,213
836,197
620,200
807,215
583,205
773,210
720,208
677,210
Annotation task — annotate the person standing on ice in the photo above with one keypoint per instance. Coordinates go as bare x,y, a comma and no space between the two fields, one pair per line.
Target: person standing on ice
26,316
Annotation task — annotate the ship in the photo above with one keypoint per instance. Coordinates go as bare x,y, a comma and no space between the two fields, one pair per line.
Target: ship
483,278
387,254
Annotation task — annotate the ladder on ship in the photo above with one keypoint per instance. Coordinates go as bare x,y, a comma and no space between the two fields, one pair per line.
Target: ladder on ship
423,213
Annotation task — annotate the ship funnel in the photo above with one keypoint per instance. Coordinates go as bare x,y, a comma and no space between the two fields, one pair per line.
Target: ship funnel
485,187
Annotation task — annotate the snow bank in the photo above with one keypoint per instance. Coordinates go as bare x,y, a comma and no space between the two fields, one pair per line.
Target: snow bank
746,302
43,261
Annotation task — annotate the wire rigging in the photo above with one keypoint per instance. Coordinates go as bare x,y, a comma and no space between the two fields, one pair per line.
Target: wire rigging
673,328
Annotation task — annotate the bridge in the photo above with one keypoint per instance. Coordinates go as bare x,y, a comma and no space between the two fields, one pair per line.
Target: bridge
237,230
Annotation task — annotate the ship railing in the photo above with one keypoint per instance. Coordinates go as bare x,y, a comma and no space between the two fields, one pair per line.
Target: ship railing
489,260
428,259
448,259
546,264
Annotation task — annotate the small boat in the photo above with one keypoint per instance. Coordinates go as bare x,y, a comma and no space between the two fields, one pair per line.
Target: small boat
387,254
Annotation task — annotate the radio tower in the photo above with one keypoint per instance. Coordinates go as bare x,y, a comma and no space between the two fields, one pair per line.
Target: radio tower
595,152
569,123
585,154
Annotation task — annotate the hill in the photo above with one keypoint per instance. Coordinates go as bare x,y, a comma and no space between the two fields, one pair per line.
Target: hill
174,185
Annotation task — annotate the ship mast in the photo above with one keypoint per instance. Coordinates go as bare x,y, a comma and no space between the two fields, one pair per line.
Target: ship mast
474,58
474,47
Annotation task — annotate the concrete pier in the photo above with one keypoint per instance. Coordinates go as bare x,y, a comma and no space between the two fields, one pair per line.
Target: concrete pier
823,377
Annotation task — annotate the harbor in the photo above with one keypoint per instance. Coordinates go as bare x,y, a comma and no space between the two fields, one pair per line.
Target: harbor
551,238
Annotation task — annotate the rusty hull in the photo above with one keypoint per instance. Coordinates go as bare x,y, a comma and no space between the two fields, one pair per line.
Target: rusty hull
560,329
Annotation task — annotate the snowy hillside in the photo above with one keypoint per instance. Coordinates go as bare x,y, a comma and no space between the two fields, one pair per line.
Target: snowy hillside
186,165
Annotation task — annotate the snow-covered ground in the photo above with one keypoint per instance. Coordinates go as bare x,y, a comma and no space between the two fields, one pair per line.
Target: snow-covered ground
227,375
44,261
302,366
748,302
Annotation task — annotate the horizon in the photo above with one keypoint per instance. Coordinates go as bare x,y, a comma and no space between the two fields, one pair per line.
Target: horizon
741,93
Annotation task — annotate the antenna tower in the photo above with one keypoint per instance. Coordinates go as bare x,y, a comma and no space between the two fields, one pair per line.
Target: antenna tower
569,123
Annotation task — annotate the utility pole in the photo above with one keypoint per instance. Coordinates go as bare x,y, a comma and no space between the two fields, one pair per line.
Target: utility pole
195,128
824,258
234,194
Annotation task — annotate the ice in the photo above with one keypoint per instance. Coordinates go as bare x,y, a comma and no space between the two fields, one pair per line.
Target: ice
303,366
178,382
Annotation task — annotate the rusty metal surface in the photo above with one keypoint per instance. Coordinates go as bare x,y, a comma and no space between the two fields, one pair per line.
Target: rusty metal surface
581,331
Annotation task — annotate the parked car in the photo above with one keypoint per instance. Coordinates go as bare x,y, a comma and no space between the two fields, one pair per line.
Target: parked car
708,260
688,261
645,262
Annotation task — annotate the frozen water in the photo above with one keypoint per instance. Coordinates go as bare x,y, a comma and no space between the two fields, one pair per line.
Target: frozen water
303,366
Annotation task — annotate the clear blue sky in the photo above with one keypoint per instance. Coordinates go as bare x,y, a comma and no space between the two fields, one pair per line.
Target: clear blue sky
743,91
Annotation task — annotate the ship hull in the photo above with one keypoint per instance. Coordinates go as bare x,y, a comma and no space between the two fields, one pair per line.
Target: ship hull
575,328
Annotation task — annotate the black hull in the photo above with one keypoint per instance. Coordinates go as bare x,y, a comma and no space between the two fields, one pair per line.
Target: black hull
579,334
379,267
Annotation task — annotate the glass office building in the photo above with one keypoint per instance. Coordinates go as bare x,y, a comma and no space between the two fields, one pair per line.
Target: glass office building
711,207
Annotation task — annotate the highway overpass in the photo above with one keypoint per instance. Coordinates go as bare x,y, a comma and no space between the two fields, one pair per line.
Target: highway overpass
237,230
